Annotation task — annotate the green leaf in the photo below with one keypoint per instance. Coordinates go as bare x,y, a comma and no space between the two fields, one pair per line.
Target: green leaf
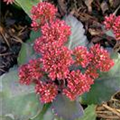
25,53
18,101
104,87
89,113
6,117
77,37
33,36
27,5
44,114
66,109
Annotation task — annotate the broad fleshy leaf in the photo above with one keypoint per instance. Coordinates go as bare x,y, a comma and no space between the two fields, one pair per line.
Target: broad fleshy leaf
89,113
104,87
77,37
18,101
66,109
33,36
45,114
6,118
26,5
25,53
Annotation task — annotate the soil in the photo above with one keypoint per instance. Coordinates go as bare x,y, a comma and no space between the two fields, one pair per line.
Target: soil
14,29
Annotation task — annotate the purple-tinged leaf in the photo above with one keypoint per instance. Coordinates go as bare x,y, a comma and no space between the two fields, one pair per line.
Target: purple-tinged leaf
66,109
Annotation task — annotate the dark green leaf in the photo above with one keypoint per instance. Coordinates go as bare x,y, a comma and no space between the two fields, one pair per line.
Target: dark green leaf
66,109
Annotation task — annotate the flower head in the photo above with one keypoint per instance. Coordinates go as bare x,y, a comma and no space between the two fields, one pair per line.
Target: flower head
36,71
42,13
47,91
92,72
30,72
109,21
56,61
24,75
81,56
101,58
56,30
78,84
116,28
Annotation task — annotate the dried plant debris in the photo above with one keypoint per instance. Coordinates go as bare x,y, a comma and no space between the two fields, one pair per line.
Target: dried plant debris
12,34
91,13
111,109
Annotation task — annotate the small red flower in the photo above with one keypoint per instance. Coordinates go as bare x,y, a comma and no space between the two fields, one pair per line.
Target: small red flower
24,75
81,56
56,61
47,91
35,69
116,28
42,13
101,58
92,72
56,30
30,72
78,84
109,21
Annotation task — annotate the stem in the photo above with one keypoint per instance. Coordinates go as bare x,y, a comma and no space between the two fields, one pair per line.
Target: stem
40,114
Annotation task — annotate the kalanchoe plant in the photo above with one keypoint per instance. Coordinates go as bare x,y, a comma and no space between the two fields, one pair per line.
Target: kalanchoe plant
61,73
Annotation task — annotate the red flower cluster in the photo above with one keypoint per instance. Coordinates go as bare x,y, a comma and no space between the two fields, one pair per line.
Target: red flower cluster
109,21
78,84
113,22
30,72
56,61
54,73
47,91
42,13
9,1
100,58
81,56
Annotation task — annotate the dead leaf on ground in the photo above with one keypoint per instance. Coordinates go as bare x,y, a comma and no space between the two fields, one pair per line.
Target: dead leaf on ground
88,3
104,6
